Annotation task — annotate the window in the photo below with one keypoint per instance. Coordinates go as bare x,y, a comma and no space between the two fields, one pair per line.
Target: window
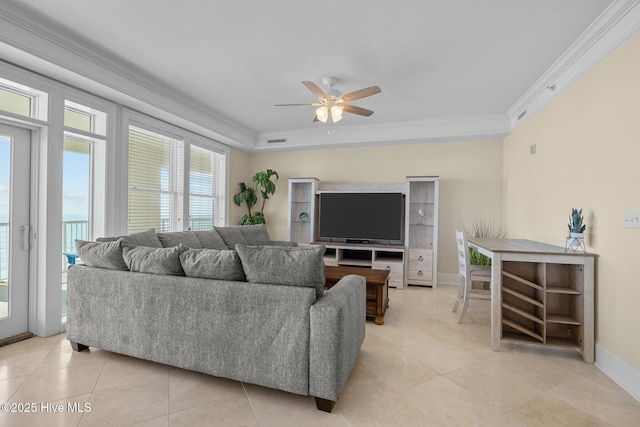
22,100
176,180
84,128
155,181
206,188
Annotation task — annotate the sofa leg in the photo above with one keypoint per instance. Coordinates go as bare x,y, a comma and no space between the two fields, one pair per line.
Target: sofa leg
324,404
77,346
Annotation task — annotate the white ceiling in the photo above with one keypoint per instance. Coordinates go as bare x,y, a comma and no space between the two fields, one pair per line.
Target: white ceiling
433,59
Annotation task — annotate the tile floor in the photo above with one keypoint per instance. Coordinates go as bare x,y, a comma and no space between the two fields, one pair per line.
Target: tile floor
421,368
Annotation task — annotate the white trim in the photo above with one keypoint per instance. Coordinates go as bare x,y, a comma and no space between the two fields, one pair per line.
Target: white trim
619,370
36,43
612,28
430,130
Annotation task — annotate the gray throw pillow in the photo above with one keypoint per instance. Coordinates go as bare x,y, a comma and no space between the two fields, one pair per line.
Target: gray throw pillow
255,234
231,236
143,259
101,254
298,266
177,238
244,235
143,238
210,239
212,264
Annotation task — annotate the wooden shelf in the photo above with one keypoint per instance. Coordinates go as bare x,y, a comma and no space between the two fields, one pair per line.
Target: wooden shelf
544,302
560,318
355,262
523,297
563,342
562,290
522,329
521,280
523,313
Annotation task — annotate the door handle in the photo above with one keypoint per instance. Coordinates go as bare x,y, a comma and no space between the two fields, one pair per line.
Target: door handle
26,237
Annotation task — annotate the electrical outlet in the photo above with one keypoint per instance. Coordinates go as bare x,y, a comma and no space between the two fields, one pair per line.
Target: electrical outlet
631,219
532,149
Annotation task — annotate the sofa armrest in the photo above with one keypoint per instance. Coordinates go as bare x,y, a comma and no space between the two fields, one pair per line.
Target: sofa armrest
337,332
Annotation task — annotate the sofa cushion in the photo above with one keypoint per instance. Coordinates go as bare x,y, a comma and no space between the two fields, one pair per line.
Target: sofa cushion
231,236
212,264
255,234
297,266
143,238
210,239
177,238
244,235
143,259
101,254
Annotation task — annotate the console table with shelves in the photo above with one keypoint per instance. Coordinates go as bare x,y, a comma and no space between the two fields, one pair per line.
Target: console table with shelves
540,294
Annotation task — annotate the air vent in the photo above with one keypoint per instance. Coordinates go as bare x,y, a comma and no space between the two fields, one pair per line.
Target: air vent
521,115
277,141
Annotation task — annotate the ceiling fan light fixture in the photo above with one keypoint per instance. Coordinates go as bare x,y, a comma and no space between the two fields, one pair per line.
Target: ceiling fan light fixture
336,113
323,114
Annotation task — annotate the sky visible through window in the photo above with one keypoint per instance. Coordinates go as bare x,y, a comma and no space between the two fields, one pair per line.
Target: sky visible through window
75,184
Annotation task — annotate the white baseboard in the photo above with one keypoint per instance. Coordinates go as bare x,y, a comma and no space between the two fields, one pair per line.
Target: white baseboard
619,370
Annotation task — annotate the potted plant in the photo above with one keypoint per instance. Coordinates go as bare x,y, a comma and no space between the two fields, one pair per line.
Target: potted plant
575,241
264,184
576,227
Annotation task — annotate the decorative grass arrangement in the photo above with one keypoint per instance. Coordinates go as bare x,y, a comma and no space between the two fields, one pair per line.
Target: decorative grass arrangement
483,228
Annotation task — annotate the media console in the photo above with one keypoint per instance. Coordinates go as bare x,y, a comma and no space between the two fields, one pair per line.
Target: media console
414,262
377,257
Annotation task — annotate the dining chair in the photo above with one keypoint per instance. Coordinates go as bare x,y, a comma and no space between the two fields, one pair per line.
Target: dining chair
467,274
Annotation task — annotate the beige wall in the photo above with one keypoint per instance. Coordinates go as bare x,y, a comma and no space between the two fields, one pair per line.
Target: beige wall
239,171
470,186
588,156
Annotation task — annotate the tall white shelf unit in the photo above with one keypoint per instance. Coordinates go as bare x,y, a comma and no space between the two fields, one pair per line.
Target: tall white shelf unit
302,210
421,231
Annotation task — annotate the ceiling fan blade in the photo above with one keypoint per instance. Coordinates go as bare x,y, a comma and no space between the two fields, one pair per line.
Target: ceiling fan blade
315,89
356,110
359,94
315,119
293,105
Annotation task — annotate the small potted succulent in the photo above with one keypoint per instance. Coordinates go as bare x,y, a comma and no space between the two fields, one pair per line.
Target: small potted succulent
576,227
575,241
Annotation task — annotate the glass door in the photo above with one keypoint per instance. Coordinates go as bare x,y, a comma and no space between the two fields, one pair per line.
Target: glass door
15,230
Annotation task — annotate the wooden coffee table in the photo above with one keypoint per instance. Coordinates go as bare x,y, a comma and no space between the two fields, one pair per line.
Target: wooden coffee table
377,287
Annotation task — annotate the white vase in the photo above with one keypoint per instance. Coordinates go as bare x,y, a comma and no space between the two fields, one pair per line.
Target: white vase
575,243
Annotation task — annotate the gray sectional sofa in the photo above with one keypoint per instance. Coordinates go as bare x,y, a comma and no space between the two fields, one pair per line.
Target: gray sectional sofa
227,302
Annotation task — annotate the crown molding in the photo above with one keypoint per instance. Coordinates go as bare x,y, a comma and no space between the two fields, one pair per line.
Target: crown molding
430,130
612,28
34,43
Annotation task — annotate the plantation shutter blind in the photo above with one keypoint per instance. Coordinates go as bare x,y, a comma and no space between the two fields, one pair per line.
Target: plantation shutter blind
206,188
155,181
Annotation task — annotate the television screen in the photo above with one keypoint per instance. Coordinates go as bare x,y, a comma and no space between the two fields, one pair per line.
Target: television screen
361,216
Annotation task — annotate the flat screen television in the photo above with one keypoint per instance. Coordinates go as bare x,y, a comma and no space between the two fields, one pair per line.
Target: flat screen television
361,217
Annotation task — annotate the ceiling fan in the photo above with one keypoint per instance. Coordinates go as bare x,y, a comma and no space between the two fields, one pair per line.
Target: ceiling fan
332,103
